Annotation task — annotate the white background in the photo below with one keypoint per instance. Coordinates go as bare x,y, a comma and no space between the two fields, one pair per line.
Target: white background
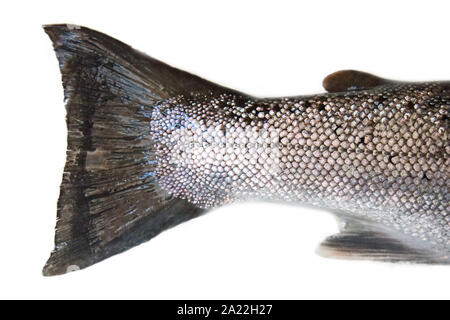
253,250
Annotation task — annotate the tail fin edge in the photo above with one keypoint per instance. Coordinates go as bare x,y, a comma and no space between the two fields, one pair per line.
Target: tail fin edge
109,198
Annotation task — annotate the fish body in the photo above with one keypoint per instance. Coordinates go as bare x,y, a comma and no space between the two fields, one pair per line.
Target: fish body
151,146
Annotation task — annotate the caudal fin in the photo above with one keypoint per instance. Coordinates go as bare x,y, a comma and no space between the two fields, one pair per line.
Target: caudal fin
110,200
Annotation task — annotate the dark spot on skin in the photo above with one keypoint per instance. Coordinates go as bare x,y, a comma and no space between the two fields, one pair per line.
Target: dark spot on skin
362,142
410,106
390,159
424,176
240,101
381,99
336,128
439,100
321,107
434,100
251,109
307,104
223,129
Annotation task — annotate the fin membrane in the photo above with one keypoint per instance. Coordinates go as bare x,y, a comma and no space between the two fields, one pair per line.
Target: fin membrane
109,198
348,80
363,240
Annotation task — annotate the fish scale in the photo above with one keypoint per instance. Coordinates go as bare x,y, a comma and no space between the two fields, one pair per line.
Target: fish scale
151,146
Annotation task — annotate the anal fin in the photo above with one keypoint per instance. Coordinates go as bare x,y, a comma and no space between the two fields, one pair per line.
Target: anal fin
363,240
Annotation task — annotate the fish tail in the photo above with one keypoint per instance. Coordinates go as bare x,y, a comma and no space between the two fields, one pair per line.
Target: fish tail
109,198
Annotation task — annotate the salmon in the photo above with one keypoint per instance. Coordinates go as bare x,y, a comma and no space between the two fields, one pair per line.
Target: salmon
151,146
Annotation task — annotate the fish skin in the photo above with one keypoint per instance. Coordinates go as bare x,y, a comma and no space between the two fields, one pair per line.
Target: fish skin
151,146
379,154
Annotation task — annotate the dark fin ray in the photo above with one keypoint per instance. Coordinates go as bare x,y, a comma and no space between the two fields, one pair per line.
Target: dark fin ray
109,199
348,80
360,239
